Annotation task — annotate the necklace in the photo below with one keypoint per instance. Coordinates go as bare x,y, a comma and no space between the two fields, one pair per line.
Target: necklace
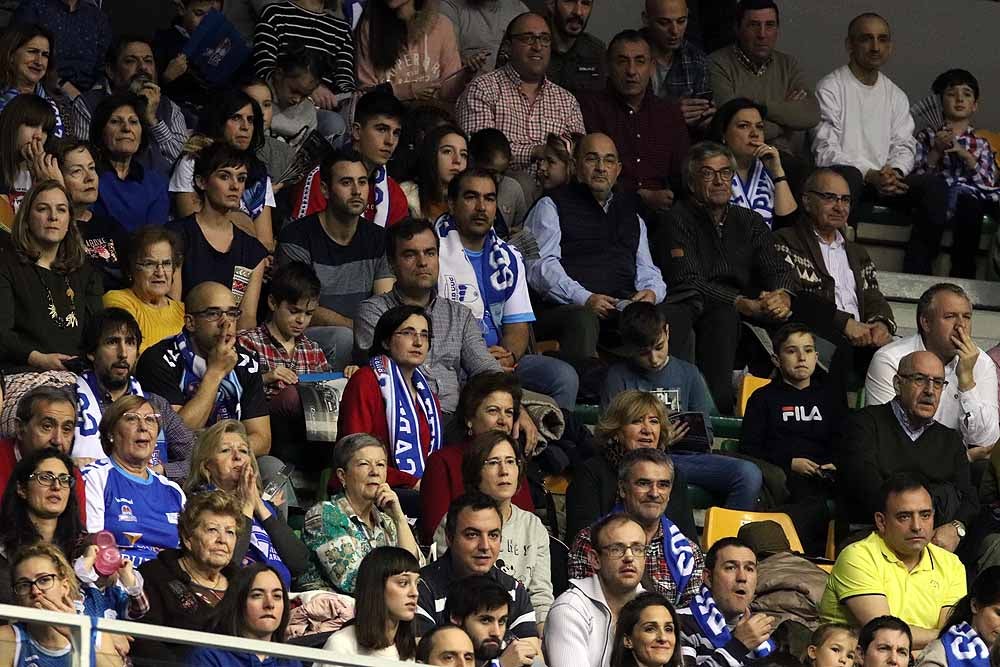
69,320
204,583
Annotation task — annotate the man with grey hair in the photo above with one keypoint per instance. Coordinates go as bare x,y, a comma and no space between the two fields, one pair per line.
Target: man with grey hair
944,327
593,256
722,264
674,563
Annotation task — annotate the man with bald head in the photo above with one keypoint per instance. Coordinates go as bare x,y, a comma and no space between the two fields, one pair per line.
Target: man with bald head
903,436
518,99
594,255
204,373
681,72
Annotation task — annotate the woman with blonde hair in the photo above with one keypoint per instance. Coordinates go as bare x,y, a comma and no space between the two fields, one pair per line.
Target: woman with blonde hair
48,288
223,459
633,420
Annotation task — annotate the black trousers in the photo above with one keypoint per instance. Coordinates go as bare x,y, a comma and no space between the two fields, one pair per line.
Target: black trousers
966,225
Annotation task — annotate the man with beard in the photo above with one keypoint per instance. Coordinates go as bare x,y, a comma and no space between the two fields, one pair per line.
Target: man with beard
903,436
577,57
111,343
131,66
347,251
481,607
578,629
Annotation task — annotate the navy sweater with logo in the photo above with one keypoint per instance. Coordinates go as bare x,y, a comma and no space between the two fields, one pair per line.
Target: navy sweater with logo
781,423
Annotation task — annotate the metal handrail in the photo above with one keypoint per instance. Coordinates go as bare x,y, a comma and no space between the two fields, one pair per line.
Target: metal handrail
83,625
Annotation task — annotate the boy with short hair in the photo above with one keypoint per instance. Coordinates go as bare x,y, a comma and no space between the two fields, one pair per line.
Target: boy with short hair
791,423
378,121
179,80
489,150
966,162
681,387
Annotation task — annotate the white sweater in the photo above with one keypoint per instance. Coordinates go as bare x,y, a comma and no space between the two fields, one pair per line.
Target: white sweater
524,552
579,631
863,126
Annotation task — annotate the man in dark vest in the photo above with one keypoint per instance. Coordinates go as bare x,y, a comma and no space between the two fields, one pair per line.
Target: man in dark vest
594,256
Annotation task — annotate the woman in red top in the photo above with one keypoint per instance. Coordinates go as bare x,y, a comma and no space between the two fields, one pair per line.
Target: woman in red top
489,401
391,399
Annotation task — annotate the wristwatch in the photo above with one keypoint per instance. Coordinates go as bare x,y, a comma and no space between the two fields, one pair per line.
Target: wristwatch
959,528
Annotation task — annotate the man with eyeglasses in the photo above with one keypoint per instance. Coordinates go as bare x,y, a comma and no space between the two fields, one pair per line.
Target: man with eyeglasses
518,99
674,564
593,257
46,417
834,269
579,630
944,328
899,569
902,435
111,343
204,373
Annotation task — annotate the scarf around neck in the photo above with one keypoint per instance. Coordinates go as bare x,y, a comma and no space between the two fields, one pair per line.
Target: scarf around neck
401,414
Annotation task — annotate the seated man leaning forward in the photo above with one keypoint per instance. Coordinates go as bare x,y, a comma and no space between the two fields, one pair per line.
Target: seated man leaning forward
896,570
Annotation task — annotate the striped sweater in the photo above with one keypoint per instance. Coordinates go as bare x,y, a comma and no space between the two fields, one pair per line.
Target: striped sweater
697,649
283,24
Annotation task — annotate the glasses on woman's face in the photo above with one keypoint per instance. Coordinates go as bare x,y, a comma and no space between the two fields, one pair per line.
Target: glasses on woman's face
495,462
152,266
413,334
49,479
150,420
22,587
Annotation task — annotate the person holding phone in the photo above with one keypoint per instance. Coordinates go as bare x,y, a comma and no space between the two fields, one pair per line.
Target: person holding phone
367,514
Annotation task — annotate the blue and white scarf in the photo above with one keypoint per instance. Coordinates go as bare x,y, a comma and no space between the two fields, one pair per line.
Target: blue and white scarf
11,93
713,623
458,281
401,414
380,196
677,551
758,193
227,400
963,647
87,442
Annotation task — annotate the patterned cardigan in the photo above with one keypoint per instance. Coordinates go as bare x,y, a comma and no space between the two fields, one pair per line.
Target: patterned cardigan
800,248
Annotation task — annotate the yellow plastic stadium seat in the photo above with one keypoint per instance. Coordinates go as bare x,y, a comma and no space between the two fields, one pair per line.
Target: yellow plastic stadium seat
721,522
749,385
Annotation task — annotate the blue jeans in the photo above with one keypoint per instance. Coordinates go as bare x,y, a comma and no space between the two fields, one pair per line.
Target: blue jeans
550,376
337,344
737,480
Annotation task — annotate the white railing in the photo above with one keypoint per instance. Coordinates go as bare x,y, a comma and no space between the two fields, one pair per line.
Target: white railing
81,627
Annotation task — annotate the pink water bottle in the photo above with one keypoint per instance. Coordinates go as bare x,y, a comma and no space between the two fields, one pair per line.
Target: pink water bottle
109,559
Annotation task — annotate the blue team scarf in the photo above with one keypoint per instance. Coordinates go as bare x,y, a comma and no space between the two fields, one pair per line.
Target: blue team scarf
227,400
401,414
713,623
757,194
89,413
459,282
677,551
11,93
963,647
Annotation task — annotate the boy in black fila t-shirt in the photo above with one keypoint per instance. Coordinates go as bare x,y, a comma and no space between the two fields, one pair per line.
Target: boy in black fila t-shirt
791,423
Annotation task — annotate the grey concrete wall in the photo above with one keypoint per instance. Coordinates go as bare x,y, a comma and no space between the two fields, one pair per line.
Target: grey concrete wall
930,36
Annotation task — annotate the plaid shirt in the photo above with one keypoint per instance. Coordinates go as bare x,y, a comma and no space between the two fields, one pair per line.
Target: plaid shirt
657,575
982,180
686,76
306,357
496,100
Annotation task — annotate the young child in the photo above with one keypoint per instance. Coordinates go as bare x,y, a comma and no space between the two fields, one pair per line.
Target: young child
832,645
681,387
967,163
555,166
490,150
791,423
116,596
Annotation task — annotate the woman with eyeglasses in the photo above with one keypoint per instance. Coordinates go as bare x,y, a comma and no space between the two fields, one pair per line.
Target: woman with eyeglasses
759,182
493,464
40,504
154,256
124,495
391,399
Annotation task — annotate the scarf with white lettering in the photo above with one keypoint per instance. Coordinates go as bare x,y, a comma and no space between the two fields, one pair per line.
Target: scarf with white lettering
380,196
677,551
458,280
401,414
963,647
758,193
87,442
713,623
227,399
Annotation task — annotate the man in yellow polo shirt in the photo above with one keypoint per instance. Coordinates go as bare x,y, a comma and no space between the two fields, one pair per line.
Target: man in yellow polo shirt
896,570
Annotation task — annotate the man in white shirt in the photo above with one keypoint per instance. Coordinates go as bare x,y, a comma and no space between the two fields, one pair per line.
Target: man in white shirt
866,131
579,630
969,402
